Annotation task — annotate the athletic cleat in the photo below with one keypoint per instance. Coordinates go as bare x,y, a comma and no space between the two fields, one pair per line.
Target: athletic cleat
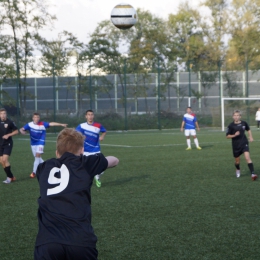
98,183
199,148
13,179
254,177
238,173
32,175
189,148
7,181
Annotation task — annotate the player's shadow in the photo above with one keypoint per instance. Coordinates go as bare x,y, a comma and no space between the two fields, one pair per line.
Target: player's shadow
125,180
207,146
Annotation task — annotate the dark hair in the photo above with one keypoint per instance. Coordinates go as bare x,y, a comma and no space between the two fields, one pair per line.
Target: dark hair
36,114
89,110
189,107
237,112
2,109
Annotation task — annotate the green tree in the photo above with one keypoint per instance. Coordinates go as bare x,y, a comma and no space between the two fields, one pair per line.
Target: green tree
245,32
22,20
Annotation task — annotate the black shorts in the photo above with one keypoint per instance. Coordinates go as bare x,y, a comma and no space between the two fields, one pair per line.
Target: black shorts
241,150
6,149
64,252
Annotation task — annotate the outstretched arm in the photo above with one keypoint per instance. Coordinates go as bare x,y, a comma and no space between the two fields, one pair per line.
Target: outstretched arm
57,124
112,161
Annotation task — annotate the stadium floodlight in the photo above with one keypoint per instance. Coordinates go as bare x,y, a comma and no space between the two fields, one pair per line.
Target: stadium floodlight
223,107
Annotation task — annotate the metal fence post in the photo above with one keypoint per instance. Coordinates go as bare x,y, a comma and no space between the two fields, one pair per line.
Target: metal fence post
125,99
159,95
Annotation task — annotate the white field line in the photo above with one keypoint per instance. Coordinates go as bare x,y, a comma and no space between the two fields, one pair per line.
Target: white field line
143,146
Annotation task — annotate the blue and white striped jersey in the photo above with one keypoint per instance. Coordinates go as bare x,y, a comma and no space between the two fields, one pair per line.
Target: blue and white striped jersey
37,132
91,132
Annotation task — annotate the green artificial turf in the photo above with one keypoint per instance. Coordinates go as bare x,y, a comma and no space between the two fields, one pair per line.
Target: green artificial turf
160,202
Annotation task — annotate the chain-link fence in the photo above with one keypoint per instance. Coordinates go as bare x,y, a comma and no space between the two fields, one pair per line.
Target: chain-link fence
133,101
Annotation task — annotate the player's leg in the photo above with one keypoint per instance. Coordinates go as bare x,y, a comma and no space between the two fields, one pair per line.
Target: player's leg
196,141
250,165
6,164
37,151
97,177
237,165
187,134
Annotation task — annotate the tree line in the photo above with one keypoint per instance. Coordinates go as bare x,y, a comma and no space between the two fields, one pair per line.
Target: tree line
224,37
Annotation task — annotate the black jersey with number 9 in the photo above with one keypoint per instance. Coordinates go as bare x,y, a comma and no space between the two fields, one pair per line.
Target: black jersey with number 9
64,213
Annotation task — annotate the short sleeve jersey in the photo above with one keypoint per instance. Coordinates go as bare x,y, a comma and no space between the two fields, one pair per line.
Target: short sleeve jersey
64,213
241,140
37,132
190,120
91,133
6,127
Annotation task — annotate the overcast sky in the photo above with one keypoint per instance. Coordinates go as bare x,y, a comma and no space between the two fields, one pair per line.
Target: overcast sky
82,16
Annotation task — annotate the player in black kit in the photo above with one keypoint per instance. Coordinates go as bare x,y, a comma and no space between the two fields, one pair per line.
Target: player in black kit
7,130
236,131
64,213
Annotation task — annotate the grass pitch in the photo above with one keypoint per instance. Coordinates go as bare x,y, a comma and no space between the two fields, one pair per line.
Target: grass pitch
160,202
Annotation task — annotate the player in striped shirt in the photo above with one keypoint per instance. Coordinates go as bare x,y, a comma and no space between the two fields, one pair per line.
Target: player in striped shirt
190,124
91,130
37,130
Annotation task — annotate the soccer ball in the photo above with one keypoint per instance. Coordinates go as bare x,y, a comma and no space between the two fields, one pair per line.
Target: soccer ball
123,16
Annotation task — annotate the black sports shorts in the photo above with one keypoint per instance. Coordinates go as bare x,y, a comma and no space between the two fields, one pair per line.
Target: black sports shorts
6,149
238,152
57,251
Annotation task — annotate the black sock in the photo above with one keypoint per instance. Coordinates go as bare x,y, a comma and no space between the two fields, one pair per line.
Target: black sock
237,166
8,171
251,168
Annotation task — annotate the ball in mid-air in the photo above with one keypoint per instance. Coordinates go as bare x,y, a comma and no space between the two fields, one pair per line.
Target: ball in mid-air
123,16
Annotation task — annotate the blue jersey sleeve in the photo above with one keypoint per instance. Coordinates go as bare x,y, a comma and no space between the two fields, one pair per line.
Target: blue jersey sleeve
79,129
26,127
46,124
102,129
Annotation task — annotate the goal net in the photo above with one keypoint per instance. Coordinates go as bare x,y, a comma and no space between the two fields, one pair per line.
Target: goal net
247,106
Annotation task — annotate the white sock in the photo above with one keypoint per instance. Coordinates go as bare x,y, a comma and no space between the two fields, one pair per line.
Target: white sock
196,142
41,160
37,161
188,142
97,177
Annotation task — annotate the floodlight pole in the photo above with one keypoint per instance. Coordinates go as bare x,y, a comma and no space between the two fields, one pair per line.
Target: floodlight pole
125,99
247,85
17,91
159,95
247,90
189,70
220,80
54,91
90,85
